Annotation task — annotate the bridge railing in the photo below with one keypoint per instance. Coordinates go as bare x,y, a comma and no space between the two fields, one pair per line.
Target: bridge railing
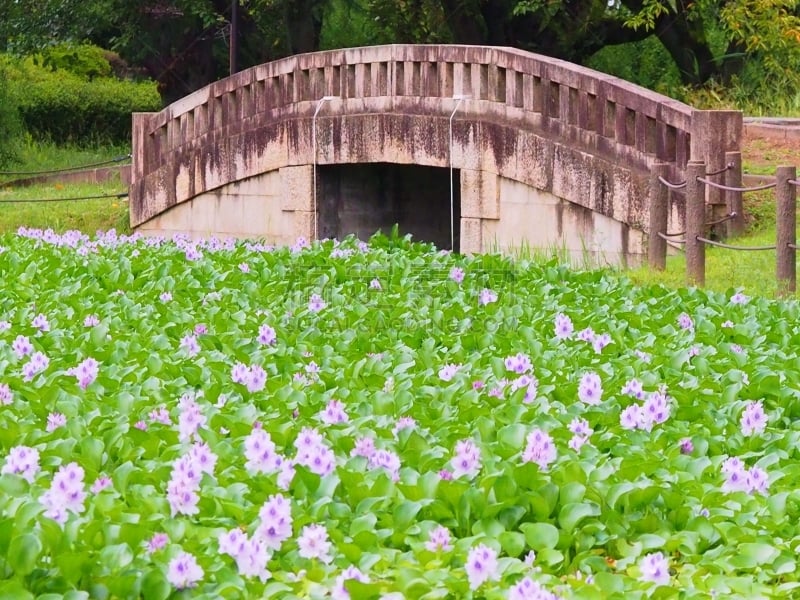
602,114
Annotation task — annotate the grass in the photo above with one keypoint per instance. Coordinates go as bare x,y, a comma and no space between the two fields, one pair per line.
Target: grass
84,215
46,156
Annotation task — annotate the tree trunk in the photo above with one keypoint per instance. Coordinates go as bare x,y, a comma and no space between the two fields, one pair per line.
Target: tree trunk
303,27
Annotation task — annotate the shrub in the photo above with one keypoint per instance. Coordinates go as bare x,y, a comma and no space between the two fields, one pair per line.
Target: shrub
65,108
85,61
10,125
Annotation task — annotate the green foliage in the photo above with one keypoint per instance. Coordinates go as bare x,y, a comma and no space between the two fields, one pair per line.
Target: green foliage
599,506
85,61
646,63
10,123
66,108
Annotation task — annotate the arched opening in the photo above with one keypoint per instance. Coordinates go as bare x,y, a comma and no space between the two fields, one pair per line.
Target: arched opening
362,199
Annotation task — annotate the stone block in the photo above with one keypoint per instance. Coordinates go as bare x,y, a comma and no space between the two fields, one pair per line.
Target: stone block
297,188
480,194
471,236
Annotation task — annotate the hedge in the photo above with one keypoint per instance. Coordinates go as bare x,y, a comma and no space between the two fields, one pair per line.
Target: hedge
65,108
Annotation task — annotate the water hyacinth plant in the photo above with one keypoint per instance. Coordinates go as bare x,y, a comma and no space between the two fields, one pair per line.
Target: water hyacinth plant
350,420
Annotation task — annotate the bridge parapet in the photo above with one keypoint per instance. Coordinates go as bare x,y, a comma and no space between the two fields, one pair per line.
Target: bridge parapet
195,142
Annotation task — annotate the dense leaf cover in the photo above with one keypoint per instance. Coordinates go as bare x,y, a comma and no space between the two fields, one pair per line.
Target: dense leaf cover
385,421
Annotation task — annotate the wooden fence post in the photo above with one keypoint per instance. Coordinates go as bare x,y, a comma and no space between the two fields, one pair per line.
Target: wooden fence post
786,209
695,223
659,215
733,178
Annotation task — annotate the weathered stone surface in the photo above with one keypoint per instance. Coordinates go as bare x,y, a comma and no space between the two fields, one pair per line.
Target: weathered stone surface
582,141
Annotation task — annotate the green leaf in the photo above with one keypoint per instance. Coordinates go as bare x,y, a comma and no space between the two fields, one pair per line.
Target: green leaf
23,553
571,514
540,535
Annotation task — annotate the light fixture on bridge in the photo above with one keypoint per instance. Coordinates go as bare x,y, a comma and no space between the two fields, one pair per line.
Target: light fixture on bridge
320,102
458,98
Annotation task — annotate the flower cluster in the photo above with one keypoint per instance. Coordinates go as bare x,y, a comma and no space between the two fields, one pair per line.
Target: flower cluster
251,554
754,419
467,459
183,571
313,453
563,326
22,461
447,372
6,397
254,376
439,540
519,364
334,413
184,484
540,449
654,568
37,363
313,543
590,389
267,335
654,410
740,479
481,566
580,433
66,493
190,419
528,589
86,372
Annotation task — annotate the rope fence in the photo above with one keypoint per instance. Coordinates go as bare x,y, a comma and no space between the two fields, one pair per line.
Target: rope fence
68,169
72,199
695,189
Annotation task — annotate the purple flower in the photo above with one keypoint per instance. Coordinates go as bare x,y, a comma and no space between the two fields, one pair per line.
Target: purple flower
403,423
37,363
600,342
66,493
447,372
375,284
590,390
257,379
339,592
22,346
519,364
101,483
685,322
91,321
439,540
457,274
313,543
54,421
486,296
467,459
184,572
266,335
189,345
388,461
334,413
687,447
260,452
633,388
739,298
481,566
631,417
276,521
540,449
86,372
754,419
156,543
654,568
528,589
6,396
586,335
365,446
40,323
244,267
22,461
316,303
563,326
165,296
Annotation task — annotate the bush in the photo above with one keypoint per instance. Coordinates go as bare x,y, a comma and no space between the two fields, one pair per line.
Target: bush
85,61
10,124
65,108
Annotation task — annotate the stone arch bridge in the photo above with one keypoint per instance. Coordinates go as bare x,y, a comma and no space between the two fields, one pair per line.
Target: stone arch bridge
473,148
